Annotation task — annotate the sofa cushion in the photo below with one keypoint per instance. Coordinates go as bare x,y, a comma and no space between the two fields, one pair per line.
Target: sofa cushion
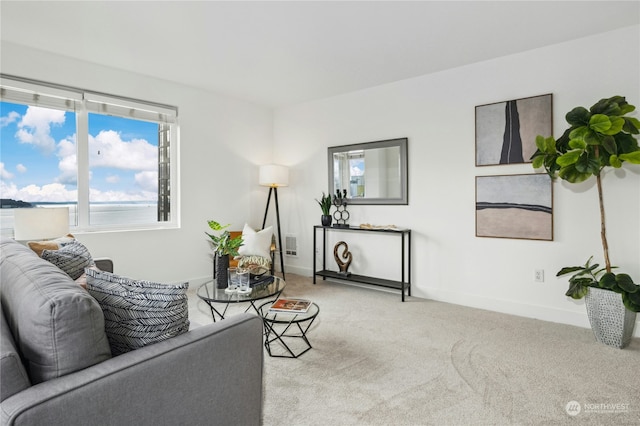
57,326
72,258
138,313
14,376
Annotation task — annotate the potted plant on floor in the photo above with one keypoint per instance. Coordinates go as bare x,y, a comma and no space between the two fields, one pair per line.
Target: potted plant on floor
325,204
223,247
599,138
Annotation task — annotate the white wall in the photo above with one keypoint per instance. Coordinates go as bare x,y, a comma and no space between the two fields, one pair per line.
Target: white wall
222,140
436,113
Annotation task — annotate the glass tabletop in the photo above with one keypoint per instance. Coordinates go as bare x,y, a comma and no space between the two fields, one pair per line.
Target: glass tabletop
210,293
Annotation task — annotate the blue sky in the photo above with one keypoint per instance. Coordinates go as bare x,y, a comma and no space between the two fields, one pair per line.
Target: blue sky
38,156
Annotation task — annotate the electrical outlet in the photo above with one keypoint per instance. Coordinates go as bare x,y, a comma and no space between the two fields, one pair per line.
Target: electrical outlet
538,275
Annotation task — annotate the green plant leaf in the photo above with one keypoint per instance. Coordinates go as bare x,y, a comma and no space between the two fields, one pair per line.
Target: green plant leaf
626,283
608,106
609,144
625,108
570,174
631,125
614,161
599,123
635,296
632,157
550,145
538,161
577,143
593,138
577,290
569,158
587,164
579,116
629,303
616,126
216,226
569,269
579,133
607,280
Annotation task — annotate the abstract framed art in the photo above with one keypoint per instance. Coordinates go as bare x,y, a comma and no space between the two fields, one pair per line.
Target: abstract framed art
506,131
515,206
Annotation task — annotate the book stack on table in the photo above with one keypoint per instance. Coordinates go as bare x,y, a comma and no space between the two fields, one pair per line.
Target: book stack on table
294,306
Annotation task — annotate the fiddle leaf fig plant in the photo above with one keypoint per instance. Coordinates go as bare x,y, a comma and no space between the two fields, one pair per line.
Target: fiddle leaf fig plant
599,137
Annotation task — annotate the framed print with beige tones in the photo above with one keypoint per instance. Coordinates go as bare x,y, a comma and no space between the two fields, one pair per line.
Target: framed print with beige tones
515,206
506,131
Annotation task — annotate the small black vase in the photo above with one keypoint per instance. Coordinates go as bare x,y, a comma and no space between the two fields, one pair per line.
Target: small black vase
326,220
221,274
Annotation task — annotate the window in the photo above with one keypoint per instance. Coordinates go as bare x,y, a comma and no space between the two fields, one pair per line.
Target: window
107,158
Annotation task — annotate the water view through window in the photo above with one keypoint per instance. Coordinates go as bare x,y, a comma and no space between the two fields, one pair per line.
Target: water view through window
39,165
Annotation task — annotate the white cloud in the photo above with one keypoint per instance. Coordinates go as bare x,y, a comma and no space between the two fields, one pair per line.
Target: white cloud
68,163
52,192
107,149
35,127
356,171
4,174
148,181
12,117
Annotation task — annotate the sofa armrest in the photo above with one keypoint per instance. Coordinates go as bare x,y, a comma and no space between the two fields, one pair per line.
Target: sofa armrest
104,264
210,374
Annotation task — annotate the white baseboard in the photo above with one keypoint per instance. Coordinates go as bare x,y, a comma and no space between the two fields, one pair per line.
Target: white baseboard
510,307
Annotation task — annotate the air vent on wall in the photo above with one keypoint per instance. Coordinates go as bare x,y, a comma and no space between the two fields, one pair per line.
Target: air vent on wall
291,245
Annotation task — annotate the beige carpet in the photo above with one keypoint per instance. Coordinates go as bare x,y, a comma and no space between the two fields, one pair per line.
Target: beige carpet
377,361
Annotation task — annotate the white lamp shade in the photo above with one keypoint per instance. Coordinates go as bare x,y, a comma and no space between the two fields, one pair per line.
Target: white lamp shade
274,175
40,223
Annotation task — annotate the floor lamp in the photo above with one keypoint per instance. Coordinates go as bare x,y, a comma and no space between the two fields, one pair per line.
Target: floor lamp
273,176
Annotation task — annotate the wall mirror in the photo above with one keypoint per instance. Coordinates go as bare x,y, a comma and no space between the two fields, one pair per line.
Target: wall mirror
371,172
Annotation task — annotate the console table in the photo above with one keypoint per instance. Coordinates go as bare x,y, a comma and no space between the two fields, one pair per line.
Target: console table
405,266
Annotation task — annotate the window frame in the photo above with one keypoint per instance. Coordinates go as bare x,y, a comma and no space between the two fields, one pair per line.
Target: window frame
38,93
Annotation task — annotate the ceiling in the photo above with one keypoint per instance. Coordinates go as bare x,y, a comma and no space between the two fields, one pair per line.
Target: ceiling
283,53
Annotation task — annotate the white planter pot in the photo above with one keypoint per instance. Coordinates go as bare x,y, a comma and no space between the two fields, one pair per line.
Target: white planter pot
612,323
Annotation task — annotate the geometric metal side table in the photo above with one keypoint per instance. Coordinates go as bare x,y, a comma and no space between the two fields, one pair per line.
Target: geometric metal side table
287,331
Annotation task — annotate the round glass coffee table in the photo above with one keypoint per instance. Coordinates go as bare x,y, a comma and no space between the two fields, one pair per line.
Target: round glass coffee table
216,297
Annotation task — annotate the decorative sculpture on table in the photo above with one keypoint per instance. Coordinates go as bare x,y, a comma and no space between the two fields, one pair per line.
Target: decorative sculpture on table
346,255
341,215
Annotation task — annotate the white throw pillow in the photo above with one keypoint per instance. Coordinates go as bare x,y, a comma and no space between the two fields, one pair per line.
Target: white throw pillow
256,243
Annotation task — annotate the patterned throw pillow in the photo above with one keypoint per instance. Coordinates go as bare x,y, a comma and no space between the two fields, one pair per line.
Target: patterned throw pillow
138,313
254,262
72,258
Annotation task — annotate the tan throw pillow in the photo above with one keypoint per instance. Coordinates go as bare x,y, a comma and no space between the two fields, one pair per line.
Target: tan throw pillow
55,244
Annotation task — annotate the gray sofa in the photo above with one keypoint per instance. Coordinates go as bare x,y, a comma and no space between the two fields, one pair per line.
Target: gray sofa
56,367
